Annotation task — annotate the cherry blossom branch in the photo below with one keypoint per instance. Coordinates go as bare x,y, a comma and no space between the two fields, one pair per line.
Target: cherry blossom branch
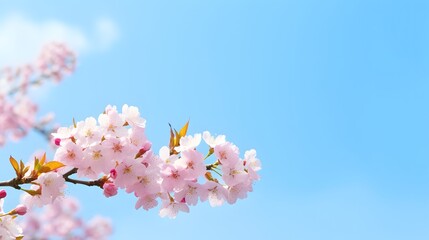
43,131
23,85
15,182
99,182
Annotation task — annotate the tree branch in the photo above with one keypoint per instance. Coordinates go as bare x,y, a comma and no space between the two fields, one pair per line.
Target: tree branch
15,183
99,182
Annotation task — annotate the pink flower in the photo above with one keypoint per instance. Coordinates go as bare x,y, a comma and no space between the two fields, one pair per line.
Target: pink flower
69,154
164,154
173,178
192,162
52,185
109,189
188,142
227,153
171,209
233,175
131,115
212,141
214,192
88,133
98,228
238,191
147,183
147,202
112,123
9,229
96,157
127,172
252,163
189,193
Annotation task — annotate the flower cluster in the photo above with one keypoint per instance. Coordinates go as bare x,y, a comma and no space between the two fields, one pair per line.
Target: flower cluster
60,220
17,111
9,229
115,153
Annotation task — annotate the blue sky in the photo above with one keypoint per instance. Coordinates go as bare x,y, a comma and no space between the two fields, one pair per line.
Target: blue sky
333,95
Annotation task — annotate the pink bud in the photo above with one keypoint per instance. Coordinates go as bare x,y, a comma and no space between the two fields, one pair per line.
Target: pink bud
57,141
113,173
21,209
3,193
110,189
147,146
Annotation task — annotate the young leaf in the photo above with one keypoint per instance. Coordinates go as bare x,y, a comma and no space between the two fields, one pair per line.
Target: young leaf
14,164
184,130
42,161
33,192
51,166
25,170
21,164
176,138
171,144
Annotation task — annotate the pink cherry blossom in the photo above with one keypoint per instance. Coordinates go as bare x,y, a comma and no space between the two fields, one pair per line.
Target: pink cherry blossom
98,228
60,221
171,209
189,142
120,153
238,191
227,153
52,185
211,140
214,192
192,162
173,178
233,175
132,116
109,189
147,201
9,229
70,154
189,193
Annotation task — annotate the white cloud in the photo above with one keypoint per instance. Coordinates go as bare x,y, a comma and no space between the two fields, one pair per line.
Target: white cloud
106,33
21,38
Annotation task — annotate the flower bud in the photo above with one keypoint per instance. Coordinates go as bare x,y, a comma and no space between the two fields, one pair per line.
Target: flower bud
113,173
57,141
147,146
109,189
20,209
3,193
